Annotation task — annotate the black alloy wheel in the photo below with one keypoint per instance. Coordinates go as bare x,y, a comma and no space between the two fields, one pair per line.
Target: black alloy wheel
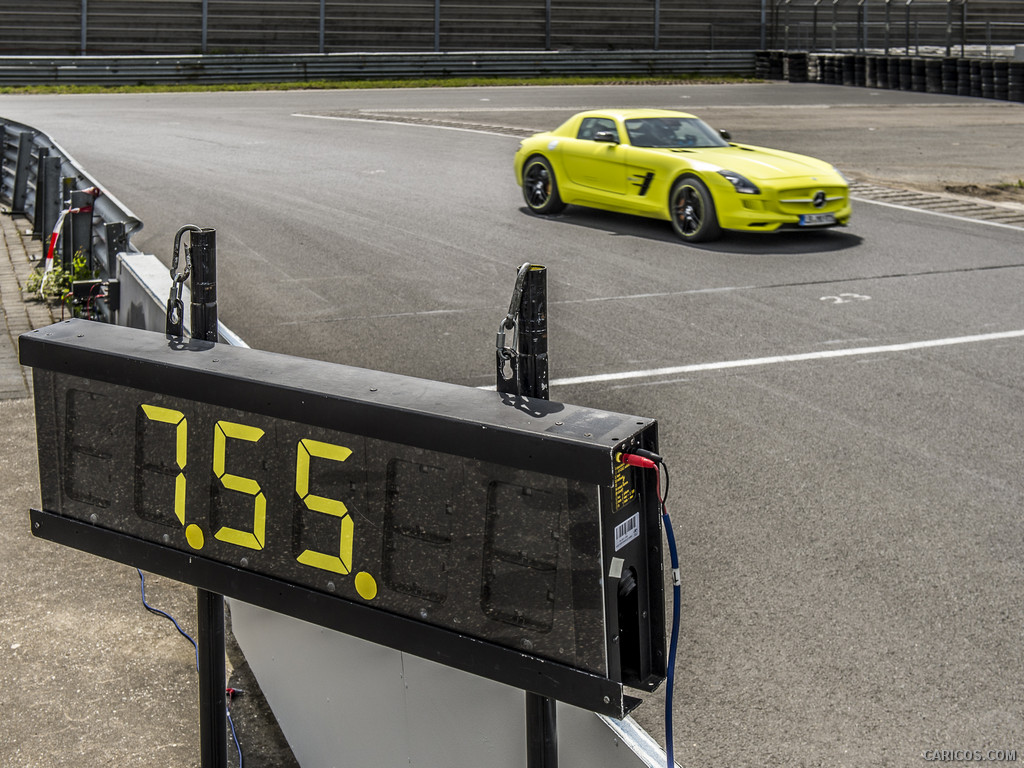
540,189
692,210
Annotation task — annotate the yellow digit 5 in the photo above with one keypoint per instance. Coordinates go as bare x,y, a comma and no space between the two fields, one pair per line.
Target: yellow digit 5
221,432
177,418
342,562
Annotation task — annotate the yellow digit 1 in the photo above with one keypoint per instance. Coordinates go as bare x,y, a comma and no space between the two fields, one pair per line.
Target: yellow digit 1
221,432
342,562
177,418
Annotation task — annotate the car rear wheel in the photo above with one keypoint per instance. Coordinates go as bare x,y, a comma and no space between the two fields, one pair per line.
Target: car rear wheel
692,210
540,189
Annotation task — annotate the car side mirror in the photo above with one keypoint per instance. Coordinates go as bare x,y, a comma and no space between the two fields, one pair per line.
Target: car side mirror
725,135
608,137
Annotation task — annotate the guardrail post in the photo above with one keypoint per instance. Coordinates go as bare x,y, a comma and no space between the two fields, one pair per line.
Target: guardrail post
3,153
49,202
81,226
116,241
37,208
21,171
67,252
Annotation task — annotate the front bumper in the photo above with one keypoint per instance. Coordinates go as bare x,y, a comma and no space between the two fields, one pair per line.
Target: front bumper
799,206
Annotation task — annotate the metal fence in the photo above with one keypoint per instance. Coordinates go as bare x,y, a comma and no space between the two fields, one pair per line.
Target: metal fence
129,27
274,27
907,26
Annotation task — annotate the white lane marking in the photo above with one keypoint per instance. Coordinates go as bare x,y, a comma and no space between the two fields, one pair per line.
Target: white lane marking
406,124
845,298
937,213
801,357
660,295
467,310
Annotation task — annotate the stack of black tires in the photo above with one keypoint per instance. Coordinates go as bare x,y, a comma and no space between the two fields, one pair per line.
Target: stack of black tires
987,78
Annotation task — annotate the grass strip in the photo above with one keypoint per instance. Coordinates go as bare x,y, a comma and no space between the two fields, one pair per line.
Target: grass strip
323,85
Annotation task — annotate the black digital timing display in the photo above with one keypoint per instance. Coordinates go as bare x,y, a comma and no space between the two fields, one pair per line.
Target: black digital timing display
447,521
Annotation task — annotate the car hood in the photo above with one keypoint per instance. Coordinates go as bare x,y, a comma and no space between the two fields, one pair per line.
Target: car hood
756,163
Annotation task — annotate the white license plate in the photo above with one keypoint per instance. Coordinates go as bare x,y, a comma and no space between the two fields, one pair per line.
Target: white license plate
817,219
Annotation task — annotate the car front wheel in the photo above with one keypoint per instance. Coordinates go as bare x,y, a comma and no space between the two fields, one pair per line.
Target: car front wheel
692,211
540,189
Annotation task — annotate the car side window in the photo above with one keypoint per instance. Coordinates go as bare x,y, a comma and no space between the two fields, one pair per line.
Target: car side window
589,126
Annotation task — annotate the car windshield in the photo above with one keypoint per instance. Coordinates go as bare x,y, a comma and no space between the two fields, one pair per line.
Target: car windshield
672,132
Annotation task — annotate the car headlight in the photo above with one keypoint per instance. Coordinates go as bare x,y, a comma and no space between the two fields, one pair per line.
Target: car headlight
741,184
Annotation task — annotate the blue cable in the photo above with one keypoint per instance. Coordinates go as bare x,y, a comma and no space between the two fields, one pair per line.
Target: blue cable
673,640
639,457
234,737
670,673
158,612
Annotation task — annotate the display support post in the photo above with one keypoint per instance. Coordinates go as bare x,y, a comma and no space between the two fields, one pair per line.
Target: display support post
523,372
213,705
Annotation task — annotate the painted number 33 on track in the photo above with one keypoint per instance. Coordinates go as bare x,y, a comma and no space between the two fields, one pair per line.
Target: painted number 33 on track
672,165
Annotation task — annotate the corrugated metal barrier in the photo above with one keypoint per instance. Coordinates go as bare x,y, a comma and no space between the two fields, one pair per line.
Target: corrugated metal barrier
298,68
40,181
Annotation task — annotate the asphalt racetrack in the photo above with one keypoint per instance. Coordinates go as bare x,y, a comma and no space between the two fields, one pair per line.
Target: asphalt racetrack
842,412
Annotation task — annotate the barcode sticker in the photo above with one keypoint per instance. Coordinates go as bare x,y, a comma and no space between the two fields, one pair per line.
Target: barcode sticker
626,531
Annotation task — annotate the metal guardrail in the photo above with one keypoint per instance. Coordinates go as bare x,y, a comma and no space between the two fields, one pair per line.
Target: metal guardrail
297,68
40,180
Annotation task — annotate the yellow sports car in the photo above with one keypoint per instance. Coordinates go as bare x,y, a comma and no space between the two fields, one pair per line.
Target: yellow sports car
672,165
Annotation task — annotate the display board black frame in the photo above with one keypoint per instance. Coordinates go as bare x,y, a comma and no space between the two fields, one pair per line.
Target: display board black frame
507,436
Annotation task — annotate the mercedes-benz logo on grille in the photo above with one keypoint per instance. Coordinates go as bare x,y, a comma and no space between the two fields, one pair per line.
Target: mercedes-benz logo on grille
819,199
